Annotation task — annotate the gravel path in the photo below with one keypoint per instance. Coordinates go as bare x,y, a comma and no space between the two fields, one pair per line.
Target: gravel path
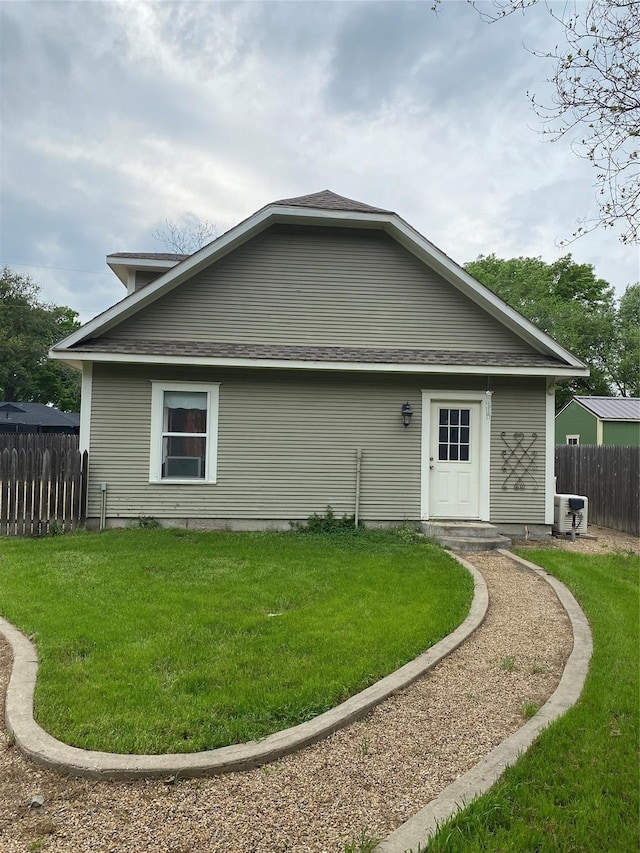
368,778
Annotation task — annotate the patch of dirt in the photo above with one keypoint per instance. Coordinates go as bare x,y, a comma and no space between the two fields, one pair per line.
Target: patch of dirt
599,540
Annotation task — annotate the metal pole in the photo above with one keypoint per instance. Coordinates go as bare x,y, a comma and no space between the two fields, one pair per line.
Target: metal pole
358,467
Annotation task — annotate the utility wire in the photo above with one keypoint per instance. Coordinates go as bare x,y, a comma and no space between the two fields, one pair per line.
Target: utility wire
63,269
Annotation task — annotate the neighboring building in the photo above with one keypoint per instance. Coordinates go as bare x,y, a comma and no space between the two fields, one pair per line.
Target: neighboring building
245,384
599,420
37,418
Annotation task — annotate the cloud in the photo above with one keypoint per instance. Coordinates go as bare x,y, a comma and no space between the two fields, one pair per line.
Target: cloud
117,116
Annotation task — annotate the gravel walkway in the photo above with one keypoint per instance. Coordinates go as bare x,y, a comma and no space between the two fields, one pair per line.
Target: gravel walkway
367,778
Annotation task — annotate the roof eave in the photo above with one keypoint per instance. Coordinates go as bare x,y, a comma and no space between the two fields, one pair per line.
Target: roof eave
123,266
73,358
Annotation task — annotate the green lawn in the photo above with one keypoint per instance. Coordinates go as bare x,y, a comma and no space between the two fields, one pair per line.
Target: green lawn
577,789
158,641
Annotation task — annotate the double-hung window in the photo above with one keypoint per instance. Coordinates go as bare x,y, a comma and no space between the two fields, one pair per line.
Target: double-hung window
184,432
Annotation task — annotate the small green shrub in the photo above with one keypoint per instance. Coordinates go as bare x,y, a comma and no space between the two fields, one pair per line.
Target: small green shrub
148,522
327,523
407,533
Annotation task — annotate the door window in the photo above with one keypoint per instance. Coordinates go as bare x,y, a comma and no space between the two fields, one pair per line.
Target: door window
454,444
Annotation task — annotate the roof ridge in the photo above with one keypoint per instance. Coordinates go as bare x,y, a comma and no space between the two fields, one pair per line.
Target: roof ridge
329,200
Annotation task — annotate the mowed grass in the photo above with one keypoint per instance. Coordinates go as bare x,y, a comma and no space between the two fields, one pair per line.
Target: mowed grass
157,641
577,789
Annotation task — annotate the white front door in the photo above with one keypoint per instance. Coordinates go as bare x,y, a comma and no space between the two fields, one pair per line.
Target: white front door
454,459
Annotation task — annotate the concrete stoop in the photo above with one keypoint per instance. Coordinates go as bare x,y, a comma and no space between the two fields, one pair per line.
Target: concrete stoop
465,536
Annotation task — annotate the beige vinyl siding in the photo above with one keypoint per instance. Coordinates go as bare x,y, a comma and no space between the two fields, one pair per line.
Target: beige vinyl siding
302,286
287,445
144,278
519,406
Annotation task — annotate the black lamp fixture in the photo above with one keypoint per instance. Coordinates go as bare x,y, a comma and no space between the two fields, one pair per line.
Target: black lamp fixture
407,414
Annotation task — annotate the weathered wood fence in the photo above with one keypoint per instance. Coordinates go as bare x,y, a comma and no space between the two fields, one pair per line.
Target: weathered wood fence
609,477
42,484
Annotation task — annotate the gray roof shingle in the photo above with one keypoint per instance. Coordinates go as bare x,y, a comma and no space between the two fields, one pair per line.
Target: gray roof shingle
362,355
327,200
149,256
36,414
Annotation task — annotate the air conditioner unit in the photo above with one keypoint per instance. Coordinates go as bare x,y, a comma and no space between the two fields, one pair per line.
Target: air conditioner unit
184,467
570,513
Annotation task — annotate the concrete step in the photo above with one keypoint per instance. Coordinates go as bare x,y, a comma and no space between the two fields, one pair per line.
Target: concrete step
473,544
458,528
465,536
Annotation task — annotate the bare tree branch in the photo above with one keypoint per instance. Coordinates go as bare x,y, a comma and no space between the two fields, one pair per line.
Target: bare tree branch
185,238
597,97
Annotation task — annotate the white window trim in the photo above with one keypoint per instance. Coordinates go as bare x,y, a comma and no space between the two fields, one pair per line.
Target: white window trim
212,390
574,443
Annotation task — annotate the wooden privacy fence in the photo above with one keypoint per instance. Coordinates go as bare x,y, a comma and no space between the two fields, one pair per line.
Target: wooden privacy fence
609,477
42,490
38,441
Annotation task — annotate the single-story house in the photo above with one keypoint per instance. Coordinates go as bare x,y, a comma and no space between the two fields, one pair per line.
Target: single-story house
37,418
321,352
599,420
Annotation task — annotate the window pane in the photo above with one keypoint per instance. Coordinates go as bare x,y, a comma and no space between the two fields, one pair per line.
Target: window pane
183,458
464,417
454,435
464,453
464,435
185,412
444,416
443,434
454,416
185,399
453,452
442,452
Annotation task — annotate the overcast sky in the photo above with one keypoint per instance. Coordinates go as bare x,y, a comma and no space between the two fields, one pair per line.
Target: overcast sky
116,116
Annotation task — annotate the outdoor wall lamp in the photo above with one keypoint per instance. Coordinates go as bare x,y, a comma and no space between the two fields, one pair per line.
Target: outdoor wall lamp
407,414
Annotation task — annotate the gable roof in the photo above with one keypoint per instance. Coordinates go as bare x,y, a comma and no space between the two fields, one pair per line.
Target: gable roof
612,408
325,209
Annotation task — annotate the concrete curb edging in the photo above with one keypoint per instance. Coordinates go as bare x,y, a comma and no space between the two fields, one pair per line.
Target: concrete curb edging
419,828
45,750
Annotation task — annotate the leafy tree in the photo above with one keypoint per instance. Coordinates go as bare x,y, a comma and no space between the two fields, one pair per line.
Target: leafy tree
566,300
627,364
28,328
596,102
187,237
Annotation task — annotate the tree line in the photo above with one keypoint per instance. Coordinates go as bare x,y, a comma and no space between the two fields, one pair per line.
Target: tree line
580,311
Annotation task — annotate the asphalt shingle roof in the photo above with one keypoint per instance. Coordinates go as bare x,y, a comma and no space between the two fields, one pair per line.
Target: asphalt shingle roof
36,414
149,256
613,408
327,200
363,355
